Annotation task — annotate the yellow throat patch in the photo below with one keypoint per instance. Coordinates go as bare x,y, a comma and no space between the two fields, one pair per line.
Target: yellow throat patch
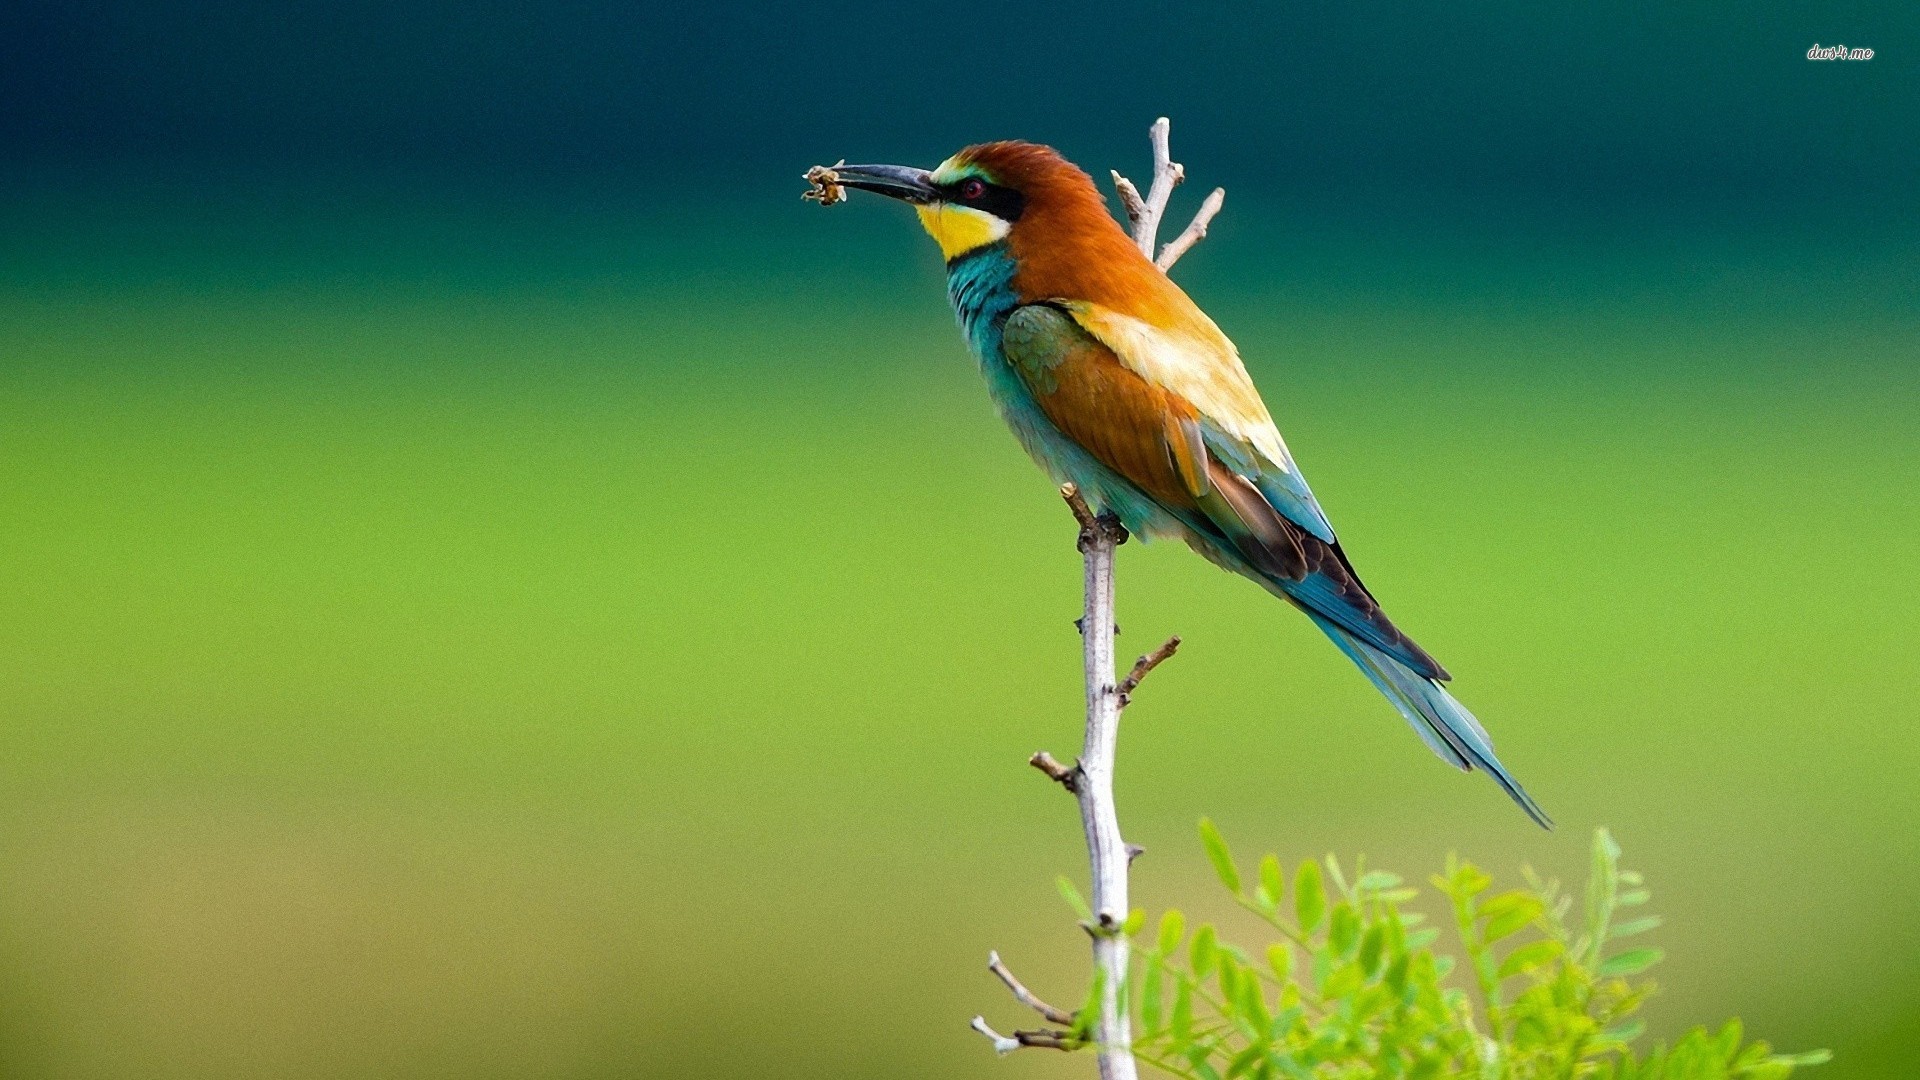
960,229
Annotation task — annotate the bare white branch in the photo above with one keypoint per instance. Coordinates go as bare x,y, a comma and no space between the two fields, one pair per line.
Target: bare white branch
1007,1044
1093,787
1167,174
1025,996
1145,214
1194,232
1130,199
1090,779
1001,1044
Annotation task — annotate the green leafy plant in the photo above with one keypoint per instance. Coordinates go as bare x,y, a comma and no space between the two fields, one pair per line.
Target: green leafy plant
1355,986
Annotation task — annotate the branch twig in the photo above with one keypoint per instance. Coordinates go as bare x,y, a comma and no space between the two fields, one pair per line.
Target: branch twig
1143,667
1056,772
1001,1044
1194,233
1144,214
1092,525
1007,1044
1107,853
1025,996
1130,199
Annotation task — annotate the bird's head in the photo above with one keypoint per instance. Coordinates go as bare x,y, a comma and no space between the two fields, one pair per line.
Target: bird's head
991,192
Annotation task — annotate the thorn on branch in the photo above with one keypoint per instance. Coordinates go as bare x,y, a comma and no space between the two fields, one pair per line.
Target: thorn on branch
1060,774
1144,667
1134,851
1025,996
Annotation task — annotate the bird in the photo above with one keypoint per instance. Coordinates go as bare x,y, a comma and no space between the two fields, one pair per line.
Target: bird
1114,380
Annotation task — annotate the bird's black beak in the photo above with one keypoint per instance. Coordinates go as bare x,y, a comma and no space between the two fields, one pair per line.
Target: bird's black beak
896,181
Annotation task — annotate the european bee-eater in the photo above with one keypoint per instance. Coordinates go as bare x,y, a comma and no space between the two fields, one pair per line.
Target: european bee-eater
1113,379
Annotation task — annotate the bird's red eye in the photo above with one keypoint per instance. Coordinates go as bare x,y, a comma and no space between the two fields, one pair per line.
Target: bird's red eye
972,188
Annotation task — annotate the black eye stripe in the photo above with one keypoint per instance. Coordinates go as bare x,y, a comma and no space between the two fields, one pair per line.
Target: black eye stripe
1002,202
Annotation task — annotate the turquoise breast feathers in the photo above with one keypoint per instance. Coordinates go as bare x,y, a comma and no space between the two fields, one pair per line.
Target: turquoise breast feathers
980,284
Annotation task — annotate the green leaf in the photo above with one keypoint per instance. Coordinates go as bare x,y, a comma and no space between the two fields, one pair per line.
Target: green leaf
1631,962
1508,914
1272,881
1251,1005
1344,929
1283,1021
1729,1039
1606,851
1627,1032
1309,898
1339,879
1396,977
1136,919
1088,1016
1071,894
1181,1023
1150,1000
1371,947
1530,956
1173,926
1377,881
1280,959
1345,981
1245,1060
1202,952
1634,926
1218,854
1468,880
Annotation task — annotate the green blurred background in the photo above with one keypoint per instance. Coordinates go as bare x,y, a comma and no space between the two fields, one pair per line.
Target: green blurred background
495,586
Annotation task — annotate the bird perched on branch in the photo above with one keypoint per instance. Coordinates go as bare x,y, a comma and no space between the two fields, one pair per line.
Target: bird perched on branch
1113,379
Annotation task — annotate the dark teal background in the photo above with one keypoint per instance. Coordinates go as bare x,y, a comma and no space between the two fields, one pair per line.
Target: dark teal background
491,584
1591,106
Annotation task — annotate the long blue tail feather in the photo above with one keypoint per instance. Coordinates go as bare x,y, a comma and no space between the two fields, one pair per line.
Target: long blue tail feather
1444,724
